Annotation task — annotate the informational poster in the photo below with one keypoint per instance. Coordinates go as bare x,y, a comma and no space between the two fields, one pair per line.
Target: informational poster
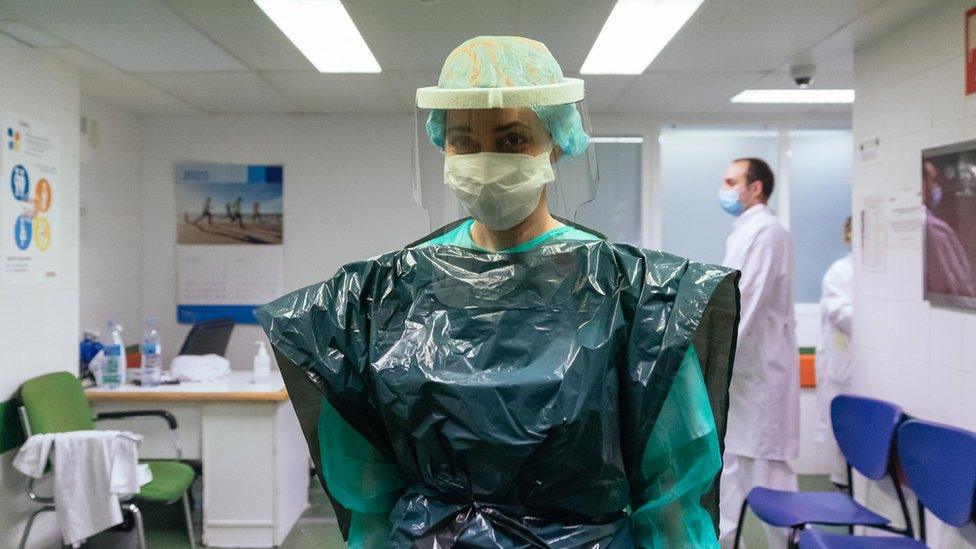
874,235
229,221
906,218
30,201
869,149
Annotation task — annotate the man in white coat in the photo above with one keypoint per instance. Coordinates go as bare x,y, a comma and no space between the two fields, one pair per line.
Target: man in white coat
834,352
764,396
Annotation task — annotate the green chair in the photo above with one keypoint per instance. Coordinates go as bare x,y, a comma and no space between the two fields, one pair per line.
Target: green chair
56,403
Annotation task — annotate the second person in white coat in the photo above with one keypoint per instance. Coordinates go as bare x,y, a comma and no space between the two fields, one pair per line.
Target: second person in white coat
764,396
834,370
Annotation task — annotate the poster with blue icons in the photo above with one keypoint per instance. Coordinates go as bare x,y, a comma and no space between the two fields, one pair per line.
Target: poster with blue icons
30,185
229,233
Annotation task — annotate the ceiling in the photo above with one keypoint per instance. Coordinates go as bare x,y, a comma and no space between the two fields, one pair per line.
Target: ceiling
225,56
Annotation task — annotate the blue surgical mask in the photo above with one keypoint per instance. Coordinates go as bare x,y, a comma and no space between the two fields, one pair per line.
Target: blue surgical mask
936,196
729,200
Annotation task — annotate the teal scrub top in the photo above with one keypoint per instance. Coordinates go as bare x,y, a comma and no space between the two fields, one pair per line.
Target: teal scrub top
461,236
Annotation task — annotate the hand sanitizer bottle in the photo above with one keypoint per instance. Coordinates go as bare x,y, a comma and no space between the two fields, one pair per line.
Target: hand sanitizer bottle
113,370
262,364
151,352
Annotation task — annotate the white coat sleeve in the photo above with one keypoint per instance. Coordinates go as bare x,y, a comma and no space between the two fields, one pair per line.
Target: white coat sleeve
32,457
760,267
837,303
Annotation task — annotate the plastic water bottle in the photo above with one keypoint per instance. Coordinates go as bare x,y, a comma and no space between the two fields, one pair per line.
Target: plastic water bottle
151,351
113,371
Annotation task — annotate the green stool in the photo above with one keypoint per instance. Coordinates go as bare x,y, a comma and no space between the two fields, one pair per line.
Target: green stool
56,403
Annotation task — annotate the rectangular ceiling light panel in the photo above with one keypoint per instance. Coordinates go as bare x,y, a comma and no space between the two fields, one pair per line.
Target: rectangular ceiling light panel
323,31
635,33
795,96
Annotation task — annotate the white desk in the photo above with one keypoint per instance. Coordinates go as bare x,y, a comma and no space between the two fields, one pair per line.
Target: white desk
255,460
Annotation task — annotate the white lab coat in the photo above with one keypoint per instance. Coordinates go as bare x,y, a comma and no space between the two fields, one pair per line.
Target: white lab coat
834,370
764,396
91,470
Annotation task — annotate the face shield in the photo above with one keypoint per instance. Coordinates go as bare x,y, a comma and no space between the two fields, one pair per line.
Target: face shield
496,154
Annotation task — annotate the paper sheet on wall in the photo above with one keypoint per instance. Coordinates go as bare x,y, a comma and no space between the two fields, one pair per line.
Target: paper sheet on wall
874,235
229,240
30,201
905,221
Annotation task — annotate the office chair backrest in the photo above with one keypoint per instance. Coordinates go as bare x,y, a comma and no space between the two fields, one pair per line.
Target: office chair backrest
56,403
208,337
865,432
940,467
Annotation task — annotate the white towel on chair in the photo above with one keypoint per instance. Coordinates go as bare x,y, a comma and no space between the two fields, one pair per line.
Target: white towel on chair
91,470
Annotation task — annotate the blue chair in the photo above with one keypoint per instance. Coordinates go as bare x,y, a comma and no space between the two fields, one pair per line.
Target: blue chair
940,467
865,431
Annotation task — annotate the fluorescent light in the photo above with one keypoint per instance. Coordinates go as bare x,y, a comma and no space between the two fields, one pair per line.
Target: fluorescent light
794,96
635,32
323,31
616,140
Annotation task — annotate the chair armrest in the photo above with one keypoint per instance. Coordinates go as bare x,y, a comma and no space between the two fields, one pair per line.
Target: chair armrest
170,418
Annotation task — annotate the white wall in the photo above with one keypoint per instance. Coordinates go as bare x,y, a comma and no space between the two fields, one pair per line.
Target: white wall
111,220
909,88
347,196
39,322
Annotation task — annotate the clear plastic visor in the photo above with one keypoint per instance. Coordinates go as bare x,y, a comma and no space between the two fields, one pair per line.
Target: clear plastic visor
560,132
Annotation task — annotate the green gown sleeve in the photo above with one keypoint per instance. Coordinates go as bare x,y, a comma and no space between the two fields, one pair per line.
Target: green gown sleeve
319,335
681,460
359,477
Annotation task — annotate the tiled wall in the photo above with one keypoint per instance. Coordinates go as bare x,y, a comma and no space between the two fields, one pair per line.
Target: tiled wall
910,95
39,322
111,220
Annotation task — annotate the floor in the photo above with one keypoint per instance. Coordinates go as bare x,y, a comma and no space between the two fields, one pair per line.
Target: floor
317,527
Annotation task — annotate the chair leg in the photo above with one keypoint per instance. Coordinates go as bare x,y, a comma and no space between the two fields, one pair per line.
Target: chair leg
792,542
30,524
140,529
742,520
189,519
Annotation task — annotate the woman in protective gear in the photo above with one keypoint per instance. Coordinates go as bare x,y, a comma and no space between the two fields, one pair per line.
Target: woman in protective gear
513,379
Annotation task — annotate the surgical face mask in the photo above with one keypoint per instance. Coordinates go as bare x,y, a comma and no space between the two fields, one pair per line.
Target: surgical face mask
499,189
936,196
729,200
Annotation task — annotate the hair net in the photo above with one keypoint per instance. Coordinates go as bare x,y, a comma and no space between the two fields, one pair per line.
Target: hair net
509,62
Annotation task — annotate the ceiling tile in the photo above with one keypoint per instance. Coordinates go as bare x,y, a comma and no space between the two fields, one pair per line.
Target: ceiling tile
410,35
132,35
104,82
603,91
823,80
245,31
351,93
755,34
683,92
28,34
567,27
222,92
